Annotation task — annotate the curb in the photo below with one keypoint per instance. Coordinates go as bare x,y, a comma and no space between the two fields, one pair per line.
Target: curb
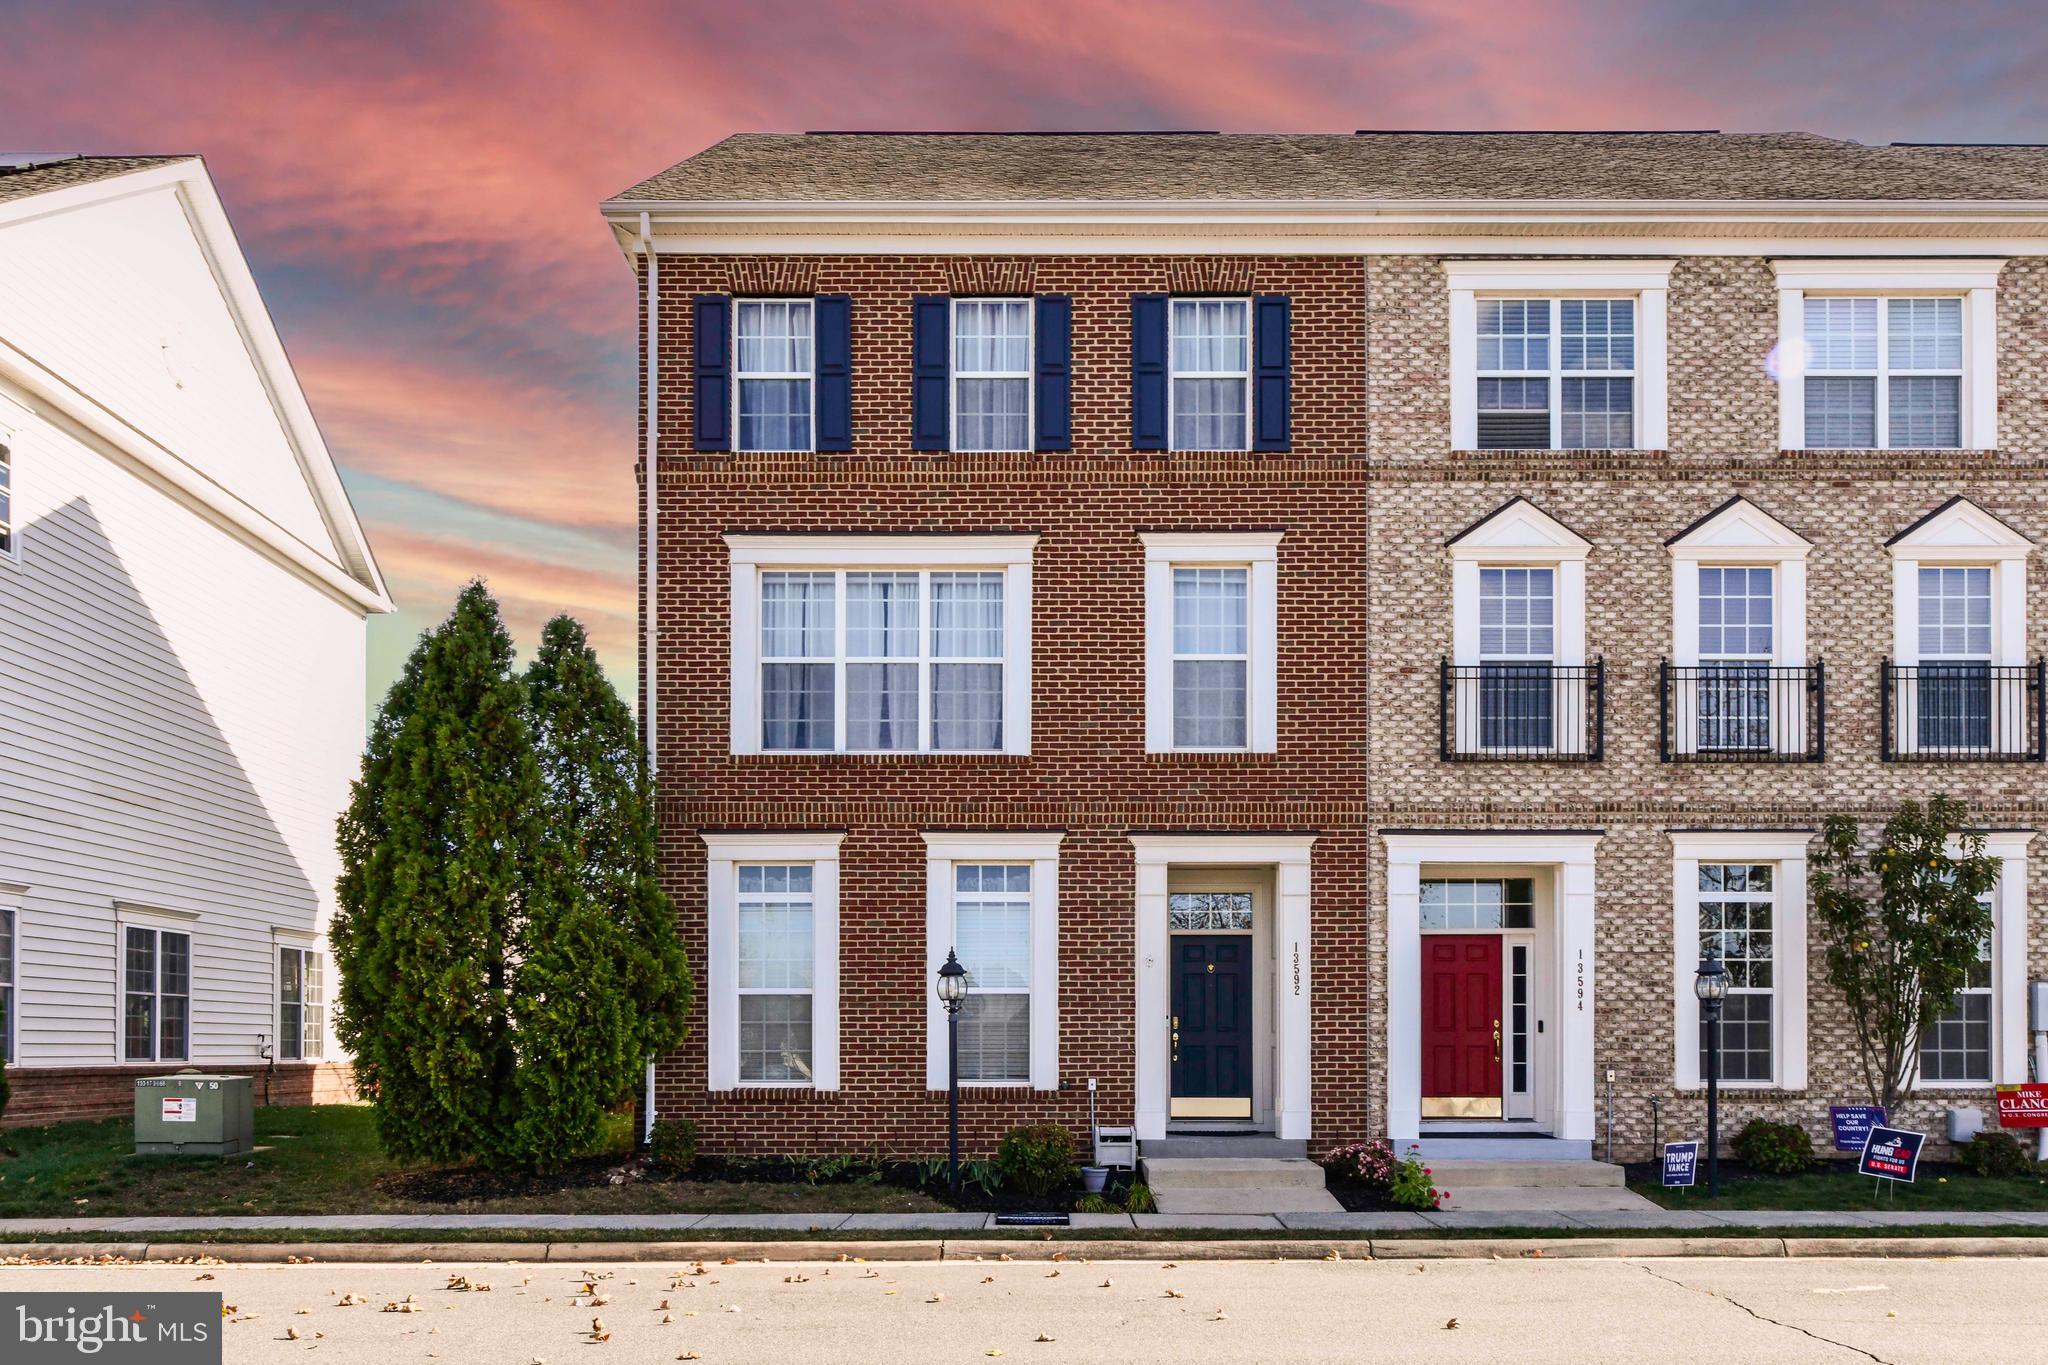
982,1249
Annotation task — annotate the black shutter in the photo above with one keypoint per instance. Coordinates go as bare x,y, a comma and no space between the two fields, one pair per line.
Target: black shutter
1148,371
832,317
1054,395
1272,397
711,399
931,325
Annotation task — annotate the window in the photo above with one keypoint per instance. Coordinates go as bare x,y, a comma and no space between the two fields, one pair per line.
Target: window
926,649
1517,613
1884,372
1957,1046
889,668
992,901
7,542
1954,674
1735,905
1737,604
1576,395
8,951
1479,903
772,965
991,374
992,935
1211,641
301,1005
1211,658
772,370
1227,911
157,994
1211,362
776,947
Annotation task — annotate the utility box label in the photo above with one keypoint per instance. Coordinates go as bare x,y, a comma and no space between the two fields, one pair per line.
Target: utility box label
180,1110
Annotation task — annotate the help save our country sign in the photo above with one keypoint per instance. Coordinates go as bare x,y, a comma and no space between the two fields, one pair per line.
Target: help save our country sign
1891,1154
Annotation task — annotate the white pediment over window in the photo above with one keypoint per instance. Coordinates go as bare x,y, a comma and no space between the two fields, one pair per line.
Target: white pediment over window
1959,528
1519,528
1739,530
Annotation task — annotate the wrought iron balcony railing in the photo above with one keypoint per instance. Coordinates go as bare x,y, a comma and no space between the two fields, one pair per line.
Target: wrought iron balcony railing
1742,712
1963,712
1522,711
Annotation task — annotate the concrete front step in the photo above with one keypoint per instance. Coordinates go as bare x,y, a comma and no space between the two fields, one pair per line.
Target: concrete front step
1465,1173
1545,1200
1501,1147
1231,1172
1205,1145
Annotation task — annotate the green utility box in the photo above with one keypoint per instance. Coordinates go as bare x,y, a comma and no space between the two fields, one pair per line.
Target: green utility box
191,1114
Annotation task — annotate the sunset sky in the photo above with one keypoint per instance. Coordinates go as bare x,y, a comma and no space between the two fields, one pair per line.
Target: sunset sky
417,184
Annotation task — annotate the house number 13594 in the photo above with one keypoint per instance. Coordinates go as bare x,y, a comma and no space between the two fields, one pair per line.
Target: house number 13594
1581,1003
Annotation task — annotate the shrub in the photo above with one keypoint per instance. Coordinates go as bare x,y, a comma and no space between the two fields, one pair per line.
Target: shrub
1095,1203
1773,1148
1994,1153
1140,1200
1036,1161
1370,1163
673,1146
1410,1185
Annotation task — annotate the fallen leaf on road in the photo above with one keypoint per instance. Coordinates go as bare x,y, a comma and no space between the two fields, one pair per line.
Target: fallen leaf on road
988,1279
1104,1285
1175,1294
936,1298
291,1334
1059,1255
1451,1326
1221,1316
1053,1274
1042,1337
202,1277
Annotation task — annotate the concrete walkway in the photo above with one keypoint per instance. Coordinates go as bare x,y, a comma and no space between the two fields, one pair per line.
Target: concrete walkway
1675,1220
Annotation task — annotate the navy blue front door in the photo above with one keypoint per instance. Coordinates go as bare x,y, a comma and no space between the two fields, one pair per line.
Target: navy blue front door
1212,1026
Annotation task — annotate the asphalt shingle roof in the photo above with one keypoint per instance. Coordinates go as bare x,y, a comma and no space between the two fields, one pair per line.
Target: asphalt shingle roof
78,170
846,167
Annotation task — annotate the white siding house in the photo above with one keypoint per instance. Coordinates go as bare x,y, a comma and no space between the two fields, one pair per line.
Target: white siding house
183,594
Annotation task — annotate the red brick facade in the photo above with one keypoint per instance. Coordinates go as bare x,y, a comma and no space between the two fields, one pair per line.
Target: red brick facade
53,1094
1366,499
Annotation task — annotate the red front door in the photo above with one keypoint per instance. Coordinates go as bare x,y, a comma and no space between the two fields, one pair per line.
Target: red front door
1461,1026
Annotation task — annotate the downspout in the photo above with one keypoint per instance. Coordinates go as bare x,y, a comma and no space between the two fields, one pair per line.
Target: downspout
650,617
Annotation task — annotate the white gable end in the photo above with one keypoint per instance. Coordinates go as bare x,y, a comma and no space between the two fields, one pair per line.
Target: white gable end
1960,528
1739,529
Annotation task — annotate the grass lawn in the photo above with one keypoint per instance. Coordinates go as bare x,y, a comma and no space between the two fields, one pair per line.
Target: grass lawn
1836,1186
325,1159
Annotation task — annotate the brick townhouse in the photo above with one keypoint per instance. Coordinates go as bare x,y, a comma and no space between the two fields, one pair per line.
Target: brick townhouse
1329,628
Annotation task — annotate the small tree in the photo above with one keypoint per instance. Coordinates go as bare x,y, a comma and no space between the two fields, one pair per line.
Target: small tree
605,986
1900,959
440,847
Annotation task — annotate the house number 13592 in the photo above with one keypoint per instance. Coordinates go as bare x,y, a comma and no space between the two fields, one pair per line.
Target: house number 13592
1580,1005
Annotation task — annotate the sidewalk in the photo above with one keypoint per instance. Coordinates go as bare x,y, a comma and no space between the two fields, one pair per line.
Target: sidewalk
957,1223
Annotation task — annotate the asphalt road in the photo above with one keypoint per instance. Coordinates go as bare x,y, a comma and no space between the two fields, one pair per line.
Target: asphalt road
1728,1312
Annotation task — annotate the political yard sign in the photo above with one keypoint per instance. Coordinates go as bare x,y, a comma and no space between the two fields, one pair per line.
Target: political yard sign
1891,1154
1852,1124
1681,1162
2023,1106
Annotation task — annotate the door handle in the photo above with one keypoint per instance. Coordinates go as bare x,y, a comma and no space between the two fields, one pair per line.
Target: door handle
1496,1040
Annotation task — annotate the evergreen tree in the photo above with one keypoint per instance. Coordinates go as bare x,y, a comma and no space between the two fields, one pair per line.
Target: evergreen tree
440,843
604,985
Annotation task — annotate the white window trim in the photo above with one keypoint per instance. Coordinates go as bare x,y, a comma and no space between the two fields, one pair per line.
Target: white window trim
1248,374
1042,851
1518,534
753,554
309,944
723,853
11,897
1256,551
1648,282
1742,534
2008,965
1788,852
810,375
10,449
1975,281
159,919
1961,535
1028,374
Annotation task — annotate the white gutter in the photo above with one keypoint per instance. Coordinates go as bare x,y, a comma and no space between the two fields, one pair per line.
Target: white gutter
650,603
231,511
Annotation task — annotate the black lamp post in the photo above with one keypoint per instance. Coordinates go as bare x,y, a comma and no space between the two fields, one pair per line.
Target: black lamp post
1710,984
953,994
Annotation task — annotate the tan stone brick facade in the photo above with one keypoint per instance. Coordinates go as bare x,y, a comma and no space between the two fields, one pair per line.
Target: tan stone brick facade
1367,499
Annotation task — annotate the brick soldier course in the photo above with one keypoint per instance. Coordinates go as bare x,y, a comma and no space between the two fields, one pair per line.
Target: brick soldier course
1367,495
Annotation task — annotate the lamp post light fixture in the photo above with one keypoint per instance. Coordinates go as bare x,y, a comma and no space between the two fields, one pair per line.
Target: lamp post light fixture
1710,984
953,994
